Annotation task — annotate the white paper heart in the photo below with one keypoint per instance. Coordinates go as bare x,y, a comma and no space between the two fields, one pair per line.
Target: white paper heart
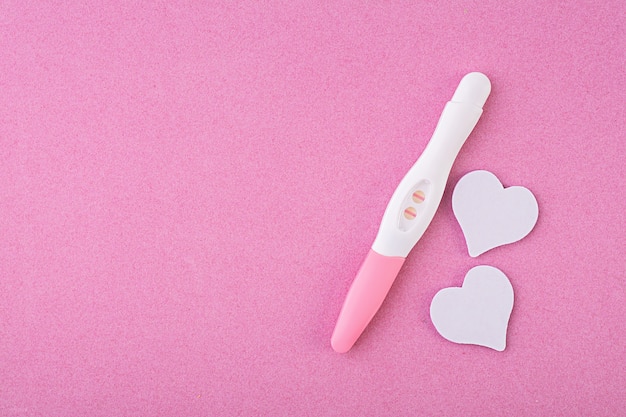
491,215
477,313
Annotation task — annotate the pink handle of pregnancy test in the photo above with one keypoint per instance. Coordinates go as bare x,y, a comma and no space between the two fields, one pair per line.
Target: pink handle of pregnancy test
366,295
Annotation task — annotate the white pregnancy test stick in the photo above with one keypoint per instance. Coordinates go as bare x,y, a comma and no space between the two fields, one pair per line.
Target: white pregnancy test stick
410,210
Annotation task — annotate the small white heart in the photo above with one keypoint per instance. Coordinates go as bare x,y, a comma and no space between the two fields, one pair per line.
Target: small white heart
477,313
491,215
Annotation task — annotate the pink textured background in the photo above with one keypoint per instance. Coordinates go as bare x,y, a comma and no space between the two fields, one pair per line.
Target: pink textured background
187,190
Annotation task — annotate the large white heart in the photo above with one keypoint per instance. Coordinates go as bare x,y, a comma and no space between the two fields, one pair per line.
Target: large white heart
477,313
491,215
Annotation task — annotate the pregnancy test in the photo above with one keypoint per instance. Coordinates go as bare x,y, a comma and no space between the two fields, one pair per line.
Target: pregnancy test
410,210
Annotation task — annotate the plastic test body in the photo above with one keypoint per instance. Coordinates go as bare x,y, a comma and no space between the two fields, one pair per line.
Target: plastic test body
410,210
